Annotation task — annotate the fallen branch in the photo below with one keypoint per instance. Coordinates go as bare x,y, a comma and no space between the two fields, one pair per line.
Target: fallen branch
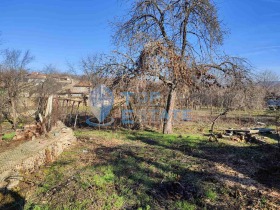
212,134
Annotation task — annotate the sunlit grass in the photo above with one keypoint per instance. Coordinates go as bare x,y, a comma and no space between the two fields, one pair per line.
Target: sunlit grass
8,136
138,170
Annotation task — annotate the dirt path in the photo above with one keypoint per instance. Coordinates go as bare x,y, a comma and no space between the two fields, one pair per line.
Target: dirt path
4,146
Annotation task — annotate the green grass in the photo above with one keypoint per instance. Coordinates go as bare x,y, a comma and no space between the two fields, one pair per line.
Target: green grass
211,194
184,205
123,134
8,136
106,134
141,170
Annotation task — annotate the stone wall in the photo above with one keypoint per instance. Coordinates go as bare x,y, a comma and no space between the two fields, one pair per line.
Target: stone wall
30,155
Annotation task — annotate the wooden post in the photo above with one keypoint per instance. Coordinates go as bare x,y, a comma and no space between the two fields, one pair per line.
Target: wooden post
66,110
70,117
77,113
48,112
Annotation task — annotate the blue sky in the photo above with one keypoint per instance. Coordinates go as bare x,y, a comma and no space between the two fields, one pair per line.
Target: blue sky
255,31
61,31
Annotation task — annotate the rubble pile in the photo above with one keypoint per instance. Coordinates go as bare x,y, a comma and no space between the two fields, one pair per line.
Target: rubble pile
29,132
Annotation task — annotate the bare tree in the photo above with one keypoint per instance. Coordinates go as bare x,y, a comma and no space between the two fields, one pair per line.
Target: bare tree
177,42
92,66
270,82
114,70
48,87
13,70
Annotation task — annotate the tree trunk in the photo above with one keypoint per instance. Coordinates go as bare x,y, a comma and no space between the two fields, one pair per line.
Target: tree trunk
14,113
170,105
137,121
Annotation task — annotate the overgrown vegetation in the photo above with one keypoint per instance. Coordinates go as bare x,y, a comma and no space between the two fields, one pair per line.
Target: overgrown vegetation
148,170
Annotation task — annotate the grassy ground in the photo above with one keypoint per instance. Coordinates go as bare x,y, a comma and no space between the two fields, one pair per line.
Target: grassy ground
8,136
147,170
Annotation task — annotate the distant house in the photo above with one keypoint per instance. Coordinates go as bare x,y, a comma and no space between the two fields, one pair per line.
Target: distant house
36,78
62,79
81,89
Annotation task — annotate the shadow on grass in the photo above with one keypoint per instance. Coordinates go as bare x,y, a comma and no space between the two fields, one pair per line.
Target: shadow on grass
155,171
163,174
272,136
11,200
152,182
264,158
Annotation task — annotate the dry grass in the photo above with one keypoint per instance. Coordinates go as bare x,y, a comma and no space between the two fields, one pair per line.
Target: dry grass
148,170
